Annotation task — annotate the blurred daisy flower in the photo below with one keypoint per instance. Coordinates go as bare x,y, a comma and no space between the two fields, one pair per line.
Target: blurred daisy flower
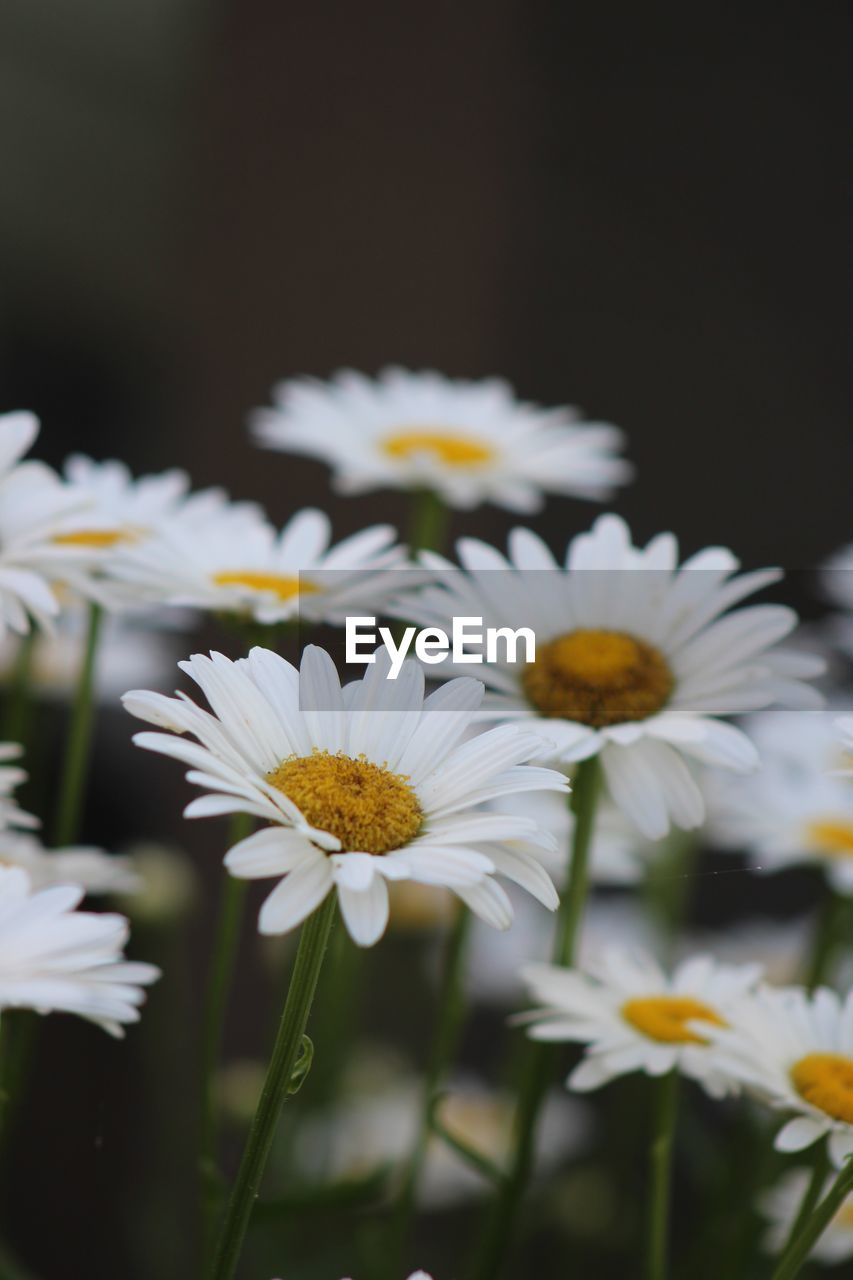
377,1126
633,1017
469,442
795,1051
34,506
121,511
636,658
11,776
364,785
797,808
93,870
54,958
781,1203
250,569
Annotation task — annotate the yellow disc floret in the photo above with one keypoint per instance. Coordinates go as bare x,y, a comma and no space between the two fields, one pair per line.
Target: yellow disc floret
826,1081
369,808
447,447
832,837
282,586
97,539
665,1018
598,678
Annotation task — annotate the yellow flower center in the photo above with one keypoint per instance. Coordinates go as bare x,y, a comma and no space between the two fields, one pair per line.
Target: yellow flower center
369,808
97,538
598,678
453,449
283,586
833,837
665,1018
826,1081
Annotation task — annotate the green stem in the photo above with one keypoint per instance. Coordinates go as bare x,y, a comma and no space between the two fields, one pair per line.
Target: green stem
820,1168
16,711
294,1019
828,935
799,1249
428,522
221,977
76,762
444,1040
538,1057
660,1176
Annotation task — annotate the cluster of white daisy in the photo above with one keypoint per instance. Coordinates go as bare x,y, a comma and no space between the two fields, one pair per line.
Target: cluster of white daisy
375,798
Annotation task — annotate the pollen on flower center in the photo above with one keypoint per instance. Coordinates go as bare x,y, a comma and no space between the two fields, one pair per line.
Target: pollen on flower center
451,448
598,677
369,808
97,538
665,1018
832,837
283,586
826,1081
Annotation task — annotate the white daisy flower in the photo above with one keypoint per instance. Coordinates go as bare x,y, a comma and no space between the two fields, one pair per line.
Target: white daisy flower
54,958
125,511
633,1017
34,505
780,1204
795,1051
636,658
92,869
250,569
470,442
364,785
796,809
11,776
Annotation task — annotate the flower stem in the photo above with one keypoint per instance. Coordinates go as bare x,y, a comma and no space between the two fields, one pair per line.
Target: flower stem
294,1019
219,987
75,764
428,522
799,1249
443,1043
16,711
660,1176
820,1168
828,935
538,1057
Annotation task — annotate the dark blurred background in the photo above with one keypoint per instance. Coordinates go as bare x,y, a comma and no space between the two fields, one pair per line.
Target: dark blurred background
639,211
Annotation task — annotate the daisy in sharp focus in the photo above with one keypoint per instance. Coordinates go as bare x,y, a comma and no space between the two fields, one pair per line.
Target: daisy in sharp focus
253,570
54,958
470,442
797,809
34,506
780,1204
636,658
795,1052
363,785
633,1017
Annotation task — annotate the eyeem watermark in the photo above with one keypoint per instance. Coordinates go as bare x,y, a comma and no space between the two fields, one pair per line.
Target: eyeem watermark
468,641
